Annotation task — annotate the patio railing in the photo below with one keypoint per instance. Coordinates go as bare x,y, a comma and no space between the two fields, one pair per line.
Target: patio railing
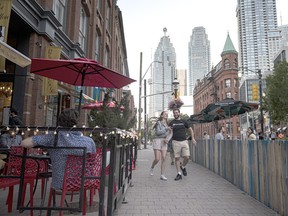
119,152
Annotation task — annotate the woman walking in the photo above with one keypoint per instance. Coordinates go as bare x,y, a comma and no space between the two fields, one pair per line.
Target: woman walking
251,135
162,135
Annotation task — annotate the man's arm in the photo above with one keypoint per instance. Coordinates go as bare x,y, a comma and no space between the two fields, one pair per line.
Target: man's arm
192,136
27,143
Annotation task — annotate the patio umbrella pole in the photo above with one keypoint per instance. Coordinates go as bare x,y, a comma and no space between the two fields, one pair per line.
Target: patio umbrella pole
81,91
80,100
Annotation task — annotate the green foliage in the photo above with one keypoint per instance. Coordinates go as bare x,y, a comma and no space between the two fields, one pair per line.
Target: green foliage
276,98
114,117
119,116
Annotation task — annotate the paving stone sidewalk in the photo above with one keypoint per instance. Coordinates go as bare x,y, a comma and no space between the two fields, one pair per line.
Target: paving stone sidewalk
201,192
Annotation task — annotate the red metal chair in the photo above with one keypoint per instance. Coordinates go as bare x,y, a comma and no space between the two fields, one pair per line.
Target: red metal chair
72,178
32,169
9,182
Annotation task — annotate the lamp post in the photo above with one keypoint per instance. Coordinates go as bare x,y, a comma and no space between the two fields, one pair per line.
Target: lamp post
259,73
175,84
140,104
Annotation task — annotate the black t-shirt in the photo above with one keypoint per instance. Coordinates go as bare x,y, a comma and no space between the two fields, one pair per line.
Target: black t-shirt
179,129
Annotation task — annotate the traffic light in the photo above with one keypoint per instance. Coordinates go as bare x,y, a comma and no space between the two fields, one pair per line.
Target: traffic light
255,92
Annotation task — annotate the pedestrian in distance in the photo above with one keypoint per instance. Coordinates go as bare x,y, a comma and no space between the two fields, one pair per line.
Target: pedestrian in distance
68,118
250,134
180,142
219,135
162,135
206,136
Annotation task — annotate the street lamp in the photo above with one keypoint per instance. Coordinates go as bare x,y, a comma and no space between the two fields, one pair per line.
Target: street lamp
140,104
175,84
259,73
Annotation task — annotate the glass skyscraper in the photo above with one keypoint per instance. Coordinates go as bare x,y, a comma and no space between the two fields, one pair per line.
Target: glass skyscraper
199,57
162,76
255,20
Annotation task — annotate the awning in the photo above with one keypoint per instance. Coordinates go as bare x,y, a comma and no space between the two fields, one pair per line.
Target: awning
14,55
75,92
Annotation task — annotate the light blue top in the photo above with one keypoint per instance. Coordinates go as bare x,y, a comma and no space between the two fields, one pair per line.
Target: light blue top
219,136
59,156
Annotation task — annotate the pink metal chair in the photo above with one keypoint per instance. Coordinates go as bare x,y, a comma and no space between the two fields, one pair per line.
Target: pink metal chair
72,178
32,169
9,182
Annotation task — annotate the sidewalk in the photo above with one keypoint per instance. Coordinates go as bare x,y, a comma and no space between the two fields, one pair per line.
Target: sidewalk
201,192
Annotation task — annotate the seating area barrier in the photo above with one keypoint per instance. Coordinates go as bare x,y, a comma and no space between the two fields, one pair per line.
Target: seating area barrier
259,168
119,153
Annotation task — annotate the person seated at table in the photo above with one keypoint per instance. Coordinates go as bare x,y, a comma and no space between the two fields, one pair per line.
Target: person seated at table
68,118
10,138
14,119
13,137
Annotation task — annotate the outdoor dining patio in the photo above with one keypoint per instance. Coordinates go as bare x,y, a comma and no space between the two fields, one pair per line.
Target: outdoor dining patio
103,176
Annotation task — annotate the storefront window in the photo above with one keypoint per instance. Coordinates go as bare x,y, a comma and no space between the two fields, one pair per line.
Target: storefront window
6,90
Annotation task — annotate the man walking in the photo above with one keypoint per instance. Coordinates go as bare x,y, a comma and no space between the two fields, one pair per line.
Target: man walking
180,143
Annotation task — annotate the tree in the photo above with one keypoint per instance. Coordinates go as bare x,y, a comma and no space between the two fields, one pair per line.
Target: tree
276,98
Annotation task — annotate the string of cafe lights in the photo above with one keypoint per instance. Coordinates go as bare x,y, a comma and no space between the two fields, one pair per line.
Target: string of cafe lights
55,130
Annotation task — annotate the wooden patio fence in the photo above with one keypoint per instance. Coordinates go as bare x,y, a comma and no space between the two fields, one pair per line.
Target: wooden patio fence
259,168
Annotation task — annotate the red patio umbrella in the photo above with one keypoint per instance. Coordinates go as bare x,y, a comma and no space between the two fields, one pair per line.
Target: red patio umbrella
79,72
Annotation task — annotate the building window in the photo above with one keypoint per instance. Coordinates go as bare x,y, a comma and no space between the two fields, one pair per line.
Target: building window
226,64
227,83
235,63
107,58
99,6
97,46
108,9
235,83
228,94
82,29
59,9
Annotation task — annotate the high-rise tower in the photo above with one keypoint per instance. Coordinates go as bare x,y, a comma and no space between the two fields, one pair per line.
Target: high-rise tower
162,76
199,56
255,19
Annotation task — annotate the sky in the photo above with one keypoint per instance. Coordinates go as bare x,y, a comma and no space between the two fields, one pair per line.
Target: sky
144,21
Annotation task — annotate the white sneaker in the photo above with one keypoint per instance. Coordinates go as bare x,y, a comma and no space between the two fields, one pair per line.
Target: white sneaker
151,172
163,178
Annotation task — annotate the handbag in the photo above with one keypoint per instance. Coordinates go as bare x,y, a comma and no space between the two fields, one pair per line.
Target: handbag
160,129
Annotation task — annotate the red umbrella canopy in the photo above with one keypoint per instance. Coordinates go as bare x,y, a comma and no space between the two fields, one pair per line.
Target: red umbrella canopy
79,72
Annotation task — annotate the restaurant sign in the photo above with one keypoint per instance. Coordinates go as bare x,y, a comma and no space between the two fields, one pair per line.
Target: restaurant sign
13,55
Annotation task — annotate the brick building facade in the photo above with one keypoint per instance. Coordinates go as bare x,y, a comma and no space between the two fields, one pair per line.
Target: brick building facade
220,83
89,29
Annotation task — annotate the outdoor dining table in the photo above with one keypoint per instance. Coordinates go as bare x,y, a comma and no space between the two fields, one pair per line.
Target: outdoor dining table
46,174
